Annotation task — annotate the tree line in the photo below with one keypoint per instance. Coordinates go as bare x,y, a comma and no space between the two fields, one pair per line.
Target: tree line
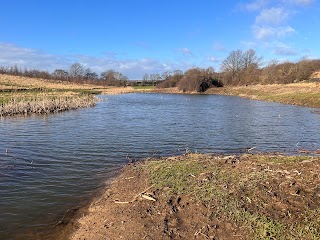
245,68
238,68
76,73
241,68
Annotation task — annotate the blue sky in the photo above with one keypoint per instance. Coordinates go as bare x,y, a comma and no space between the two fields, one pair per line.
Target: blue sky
143,36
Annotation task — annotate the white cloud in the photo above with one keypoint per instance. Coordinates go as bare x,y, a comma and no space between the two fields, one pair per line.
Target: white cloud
214,59
299,2
272,16
271,24
28,57
133,68
267,33
284,50
255,5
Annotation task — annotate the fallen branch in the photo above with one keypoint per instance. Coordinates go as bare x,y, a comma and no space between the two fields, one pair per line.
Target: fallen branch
141,194
148,197
250,149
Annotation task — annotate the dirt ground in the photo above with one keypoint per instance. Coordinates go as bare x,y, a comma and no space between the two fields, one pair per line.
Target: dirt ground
255,197
114,216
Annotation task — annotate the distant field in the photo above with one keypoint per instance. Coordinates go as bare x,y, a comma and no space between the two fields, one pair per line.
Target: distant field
14,82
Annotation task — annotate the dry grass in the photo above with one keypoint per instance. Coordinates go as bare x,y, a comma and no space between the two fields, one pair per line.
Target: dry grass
8,82
46,104
21,95
118,90
316,75
303,94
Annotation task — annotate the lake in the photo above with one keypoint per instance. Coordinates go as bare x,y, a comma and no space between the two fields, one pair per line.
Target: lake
51,163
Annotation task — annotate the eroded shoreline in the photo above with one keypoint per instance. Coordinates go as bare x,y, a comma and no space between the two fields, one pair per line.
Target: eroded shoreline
197,196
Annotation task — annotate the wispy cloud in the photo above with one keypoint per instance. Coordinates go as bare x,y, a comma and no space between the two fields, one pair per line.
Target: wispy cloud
284,50
25,57
272,23
272,16
214,59
12,54
267,32
255,5
185,51
299,2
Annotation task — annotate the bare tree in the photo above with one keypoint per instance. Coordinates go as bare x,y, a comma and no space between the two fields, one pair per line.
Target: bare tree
233,65
60,74
170,79
146,77
76,71
90,75
112,77
250,59
241,67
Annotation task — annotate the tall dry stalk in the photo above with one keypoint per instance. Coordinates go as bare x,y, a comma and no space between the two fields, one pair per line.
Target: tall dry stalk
45,104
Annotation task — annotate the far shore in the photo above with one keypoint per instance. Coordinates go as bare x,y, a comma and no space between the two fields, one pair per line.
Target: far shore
305,94
21,95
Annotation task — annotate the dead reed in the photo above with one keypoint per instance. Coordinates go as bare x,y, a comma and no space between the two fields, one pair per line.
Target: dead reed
46,104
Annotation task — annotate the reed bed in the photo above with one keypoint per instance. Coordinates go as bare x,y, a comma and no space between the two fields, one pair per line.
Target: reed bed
45,104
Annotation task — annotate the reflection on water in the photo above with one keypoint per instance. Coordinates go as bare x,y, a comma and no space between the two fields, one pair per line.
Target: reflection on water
50,163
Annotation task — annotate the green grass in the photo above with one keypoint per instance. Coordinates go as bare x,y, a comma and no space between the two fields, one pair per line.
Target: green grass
144,87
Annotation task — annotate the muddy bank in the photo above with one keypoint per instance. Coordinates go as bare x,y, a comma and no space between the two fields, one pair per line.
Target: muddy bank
209,197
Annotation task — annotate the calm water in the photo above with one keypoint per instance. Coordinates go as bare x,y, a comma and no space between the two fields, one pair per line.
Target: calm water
51,163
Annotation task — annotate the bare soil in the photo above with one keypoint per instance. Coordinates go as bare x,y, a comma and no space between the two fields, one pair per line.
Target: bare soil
222,197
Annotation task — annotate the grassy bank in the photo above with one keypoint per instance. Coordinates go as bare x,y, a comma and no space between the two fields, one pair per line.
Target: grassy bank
210,197
302,94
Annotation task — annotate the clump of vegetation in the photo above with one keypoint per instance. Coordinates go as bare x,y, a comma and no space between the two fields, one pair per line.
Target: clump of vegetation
268,197
45,104
193,80
22,95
